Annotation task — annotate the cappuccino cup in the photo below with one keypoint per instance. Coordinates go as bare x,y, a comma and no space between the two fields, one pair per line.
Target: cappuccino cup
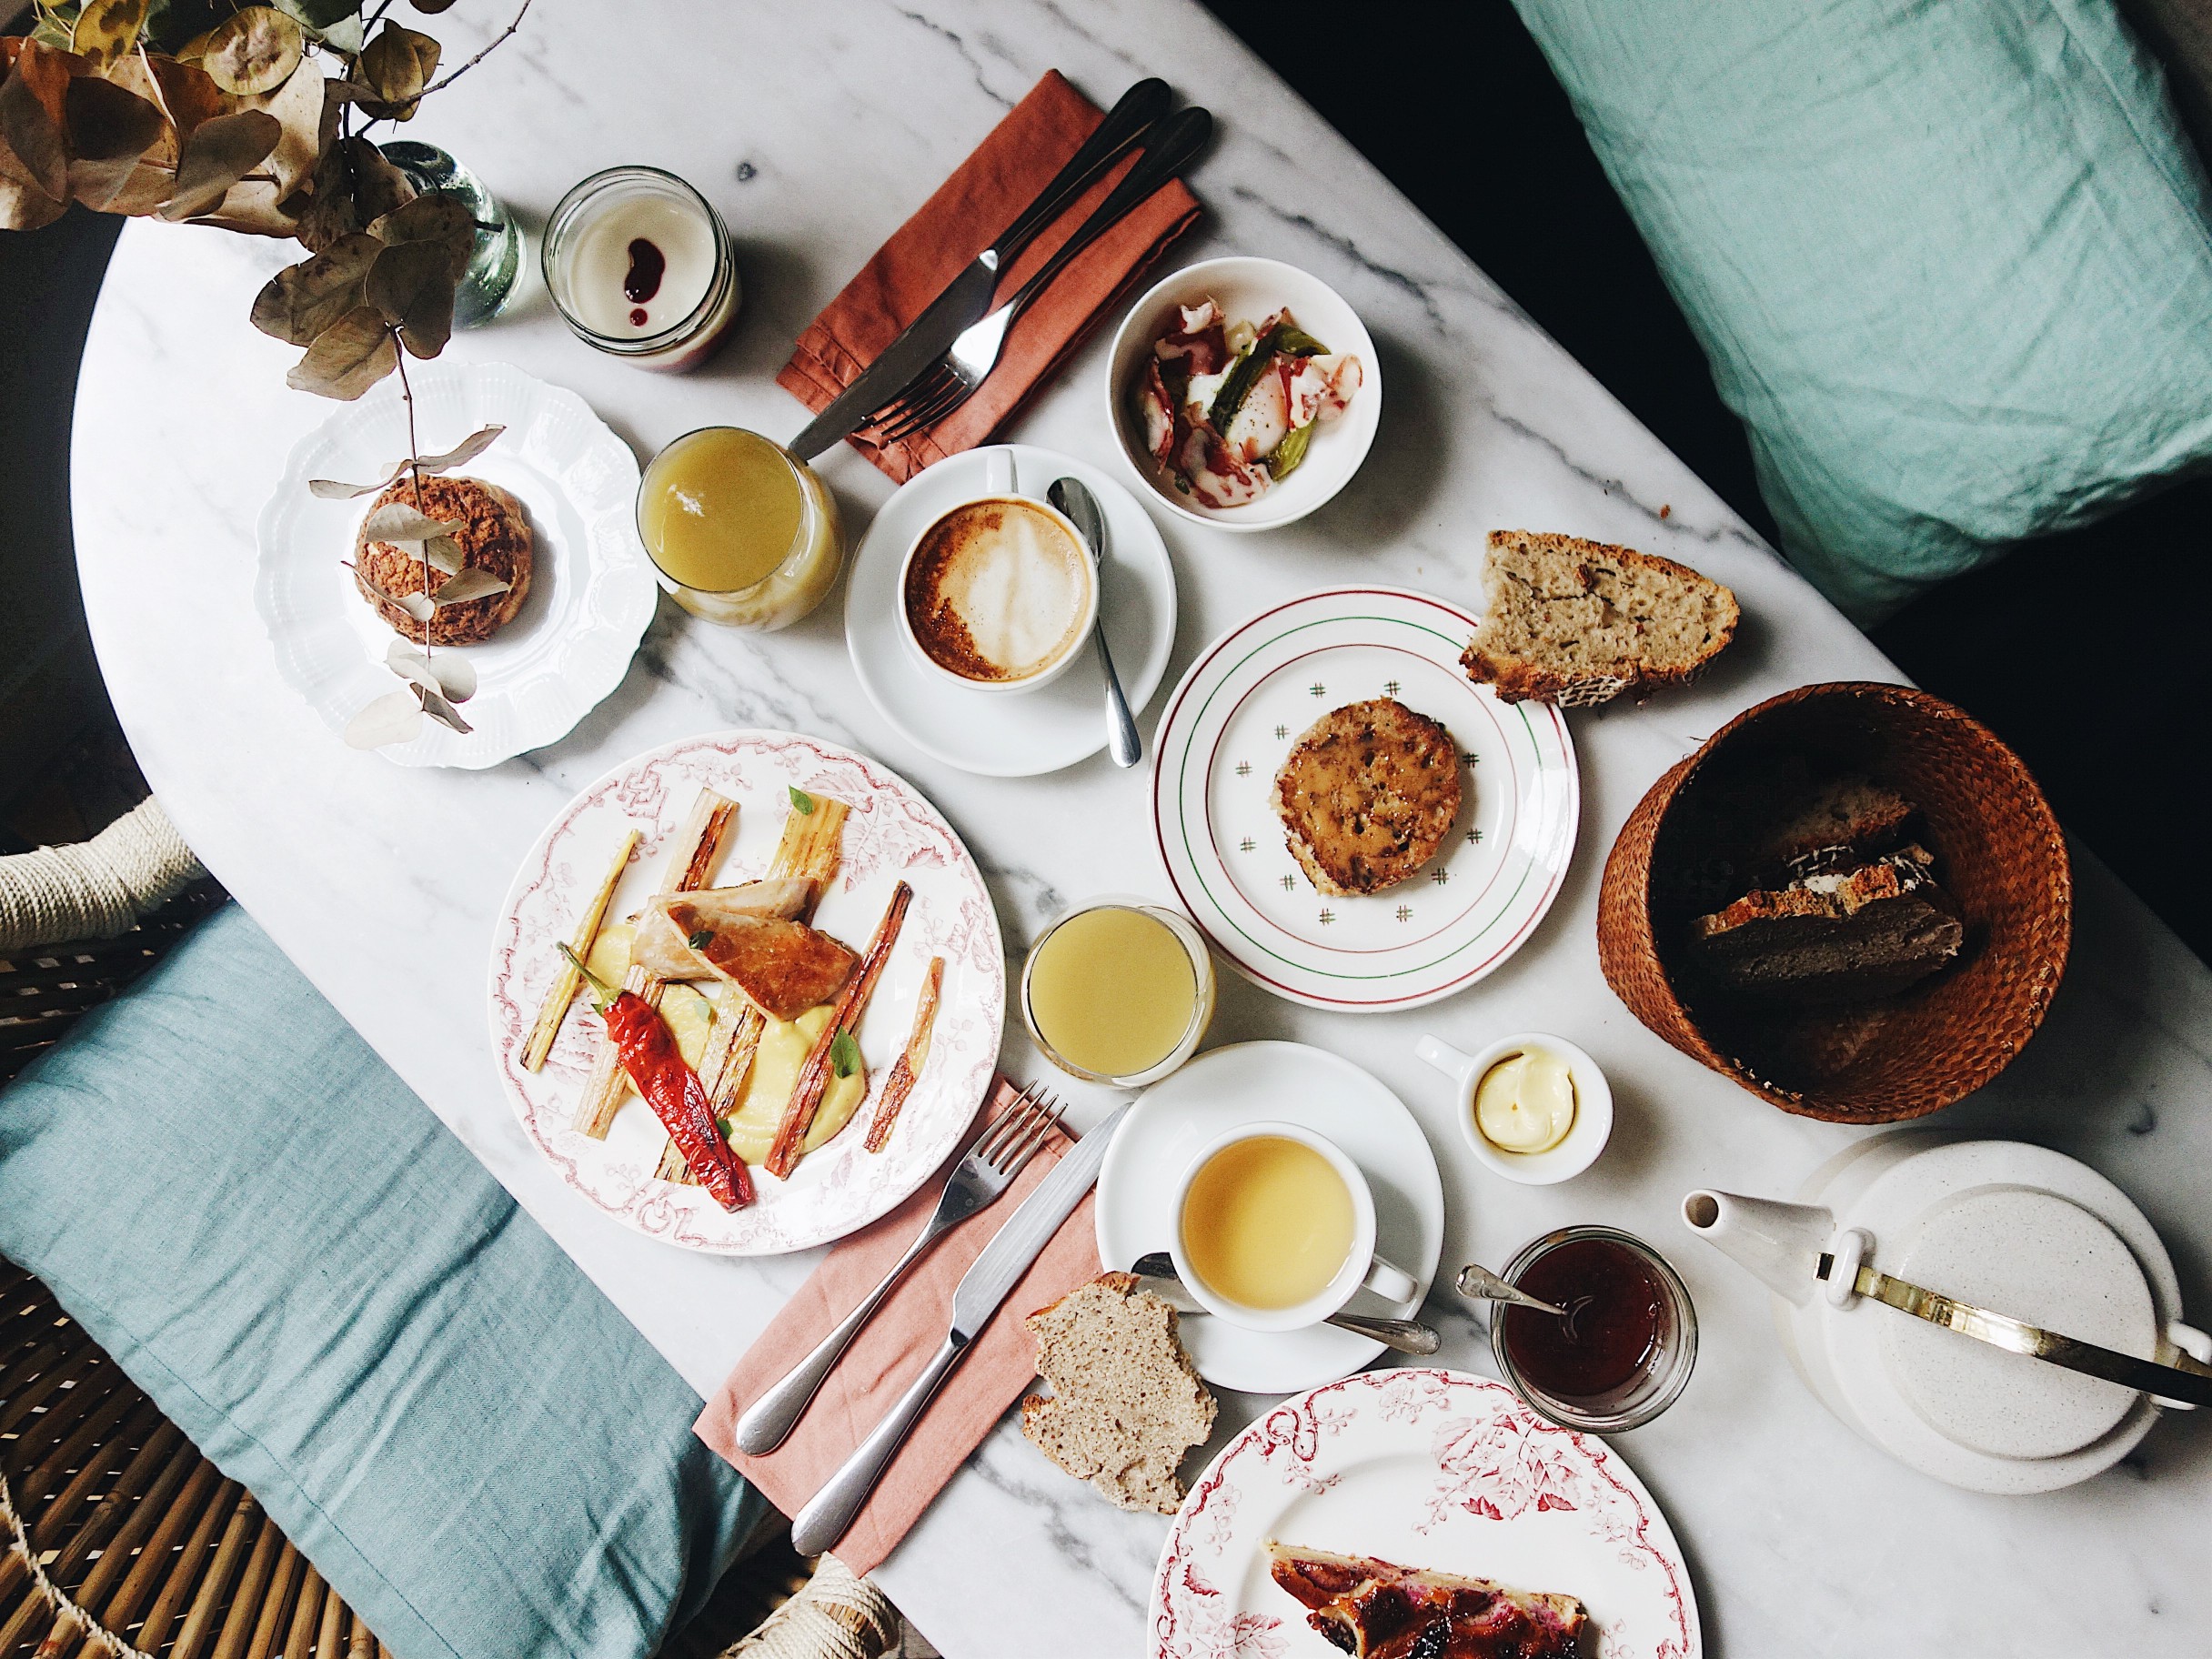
998,593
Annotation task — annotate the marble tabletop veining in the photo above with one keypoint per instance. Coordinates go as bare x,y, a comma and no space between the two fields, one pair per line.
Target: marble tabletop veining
816,130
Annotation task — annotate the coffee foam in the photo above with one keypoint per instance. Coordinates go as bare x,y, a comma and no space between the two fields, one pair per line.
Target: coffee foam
997,589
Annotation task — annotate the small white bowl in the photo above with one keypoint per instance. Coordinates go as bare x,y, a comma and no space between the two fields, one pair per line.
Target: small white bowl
1592,1106
1250,289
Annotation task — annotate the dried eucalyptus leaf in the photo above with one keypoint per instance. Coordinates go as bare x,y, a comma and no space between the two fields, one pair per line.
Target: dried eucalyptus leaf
252,51
462,453
435,706
330,489
31,118
430,7
51,30
394,718
413,285
302,300
106,29
398,523
396,65
23,204
469,585
443,553
347,358
336,23
354,186
217,154
108,128
452,673
188,93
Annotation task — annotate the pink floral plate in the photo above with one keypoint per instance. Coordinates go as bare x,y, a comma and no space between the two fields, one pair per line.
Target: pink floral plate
1428,1468
892,834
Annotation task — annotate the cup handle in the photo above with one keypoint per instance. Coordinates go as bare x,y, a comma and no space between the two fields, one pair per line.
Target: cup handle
1389,1281
999,475
1446,1059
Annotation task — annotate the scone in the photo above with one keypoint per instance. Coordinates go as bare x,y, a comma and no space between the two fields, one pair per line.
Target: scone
1125,1405
494,537
1578,623
1367,796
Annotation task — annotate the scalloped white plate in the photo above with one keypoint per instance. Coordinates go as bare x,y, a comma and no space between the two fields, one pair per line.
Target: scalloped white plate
1430,1469
591,590
893,834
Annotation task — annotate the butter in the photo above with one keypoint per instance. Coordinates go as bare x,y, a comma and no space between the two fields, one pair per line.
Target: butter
1525,1102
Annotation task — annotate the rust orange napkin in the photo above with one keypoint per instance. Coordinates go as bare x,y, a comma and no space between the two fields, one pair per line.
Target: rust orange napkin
891,1352
989,192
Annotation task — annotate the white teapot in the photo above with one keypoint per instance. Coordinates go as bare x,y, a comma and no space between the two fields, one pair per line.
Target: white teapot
2016,1229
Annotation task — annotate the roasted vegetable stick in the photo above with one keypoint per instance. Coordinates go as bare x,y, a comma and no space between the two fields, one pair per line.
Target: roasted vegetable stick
696,850
900,1082
567,981
814,1076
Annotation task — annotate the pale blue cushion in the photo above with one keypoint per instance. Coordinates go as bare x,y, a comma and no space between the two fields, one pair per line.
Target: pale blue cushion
328,1292
1949,258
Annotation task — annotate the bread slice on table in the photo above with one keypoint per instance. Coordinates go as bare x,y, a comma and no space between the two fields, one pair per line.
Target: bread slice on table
1367,796
1578,622
1126,1404
1837,937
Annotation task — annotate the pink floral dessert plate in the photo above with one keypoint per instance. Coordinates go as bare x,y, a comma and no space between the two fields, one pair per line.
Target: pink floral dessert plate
892,834
1428,1468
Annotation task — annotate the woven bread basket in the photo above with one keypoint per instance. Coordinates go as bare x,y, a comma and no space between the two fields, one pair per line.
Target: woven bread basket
1999,853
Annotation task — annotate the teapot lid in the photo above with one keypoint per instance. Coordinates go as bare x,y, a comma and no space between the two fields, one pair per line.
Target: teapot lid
2040,1258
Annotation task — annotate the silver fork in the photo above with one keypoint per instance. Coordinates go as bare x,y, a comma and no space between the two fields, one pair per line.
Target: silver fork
971,357
993,1160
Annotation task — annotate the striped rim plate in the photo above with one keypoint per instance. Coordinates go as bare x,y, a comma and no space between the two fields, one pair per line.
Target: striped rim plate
1248,699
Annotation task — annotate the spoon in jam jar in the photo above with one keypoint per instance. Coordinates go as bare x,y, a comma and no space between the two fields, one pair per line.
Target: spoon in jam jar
1482,1283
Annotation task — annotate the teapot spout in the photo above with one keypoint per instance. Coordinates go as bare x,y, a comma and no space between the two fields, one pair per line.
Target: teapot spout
1781,1244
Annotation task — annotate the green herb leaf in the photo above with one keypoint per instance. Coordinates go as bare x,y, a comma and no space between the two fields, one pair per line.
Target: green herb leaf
844,1055
1290,451
802,803
700,940
1290,337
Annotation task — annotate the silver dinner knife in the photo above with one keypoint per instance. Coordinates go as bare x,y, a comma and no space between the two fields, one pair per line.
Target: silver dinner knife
2188,1379
967,298
830,1513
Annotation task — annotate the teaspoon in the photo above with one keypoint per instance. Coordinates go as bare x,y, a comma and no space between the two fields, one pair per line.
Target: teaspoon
1081,509
1403,1335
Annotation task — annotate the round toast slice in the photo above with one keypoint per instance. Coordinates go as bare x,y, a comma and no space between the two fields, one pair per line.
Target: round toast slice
1367,796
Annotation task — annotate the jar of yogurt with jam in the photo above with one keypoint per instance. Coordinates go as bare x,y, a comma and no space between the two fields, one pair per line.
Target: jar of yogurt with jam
640,265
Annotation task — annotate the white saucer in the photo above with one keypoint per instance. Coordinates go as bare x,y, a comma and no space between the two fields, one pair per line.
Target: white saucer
1287,1082
1056,725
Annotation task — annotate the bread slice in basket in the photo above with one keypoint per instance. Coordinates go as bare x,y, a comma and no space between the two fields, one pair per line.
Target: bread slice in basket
1578,622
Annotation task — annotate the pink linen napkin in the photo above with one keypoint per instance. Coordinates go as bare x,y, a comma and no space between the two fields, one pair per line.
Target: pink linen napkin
891,1351
986,192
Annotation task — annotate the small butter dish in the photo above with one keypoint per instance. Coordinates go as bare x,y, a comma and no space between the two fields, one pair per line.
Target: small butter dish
1585,1139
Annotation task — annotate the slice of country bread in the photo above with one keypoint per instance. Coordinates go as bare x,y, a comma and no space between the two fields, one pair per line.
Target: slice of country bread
1125,1405
1579,622
1367,796
1835,937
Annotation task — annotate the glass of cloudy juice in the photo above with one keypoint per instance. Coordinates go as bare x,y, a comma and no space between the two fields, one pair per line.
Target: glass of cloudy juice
1118,992
740,530
640,265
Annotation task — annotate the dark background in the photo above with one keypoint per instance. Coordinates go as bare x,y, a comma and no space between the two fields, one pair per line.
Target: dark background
2088,652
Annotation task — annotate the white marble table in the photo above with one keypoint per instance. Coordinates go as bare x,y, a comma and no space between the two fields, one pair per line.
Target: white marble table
816,129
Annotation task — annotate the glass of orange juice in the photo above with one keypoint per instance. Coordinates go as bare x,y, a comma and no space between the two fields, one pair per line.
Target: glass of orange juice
740,531
1118,990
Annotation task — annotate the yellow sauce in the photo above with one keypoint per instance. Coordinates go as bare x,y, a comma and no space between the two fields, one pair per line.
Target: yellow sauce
1267,1223
719,510
784,1047
1525,1102
1112,991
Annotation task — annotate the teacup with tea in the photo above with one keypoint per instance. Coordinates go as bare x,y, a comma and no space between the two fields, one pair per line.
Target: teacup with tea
1275,1229
998,592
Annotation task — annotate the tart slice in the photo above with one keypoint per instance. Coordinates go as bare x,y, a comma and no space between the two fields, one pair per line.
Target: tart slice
1375,1610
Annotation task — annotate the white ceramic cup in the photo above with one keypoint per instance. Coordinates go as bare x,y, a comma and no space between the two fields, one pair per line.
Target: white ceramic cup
1361,1267
1592,1106
1002,481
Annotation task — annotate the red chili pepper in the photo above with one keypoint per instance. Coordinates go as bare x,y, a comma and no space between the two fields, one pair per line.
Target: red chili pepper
672,1088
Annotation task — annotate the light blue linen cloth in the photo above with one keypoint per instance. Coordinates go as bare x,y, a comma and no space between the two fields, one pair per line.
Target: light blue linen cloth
1951,259
330,1296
